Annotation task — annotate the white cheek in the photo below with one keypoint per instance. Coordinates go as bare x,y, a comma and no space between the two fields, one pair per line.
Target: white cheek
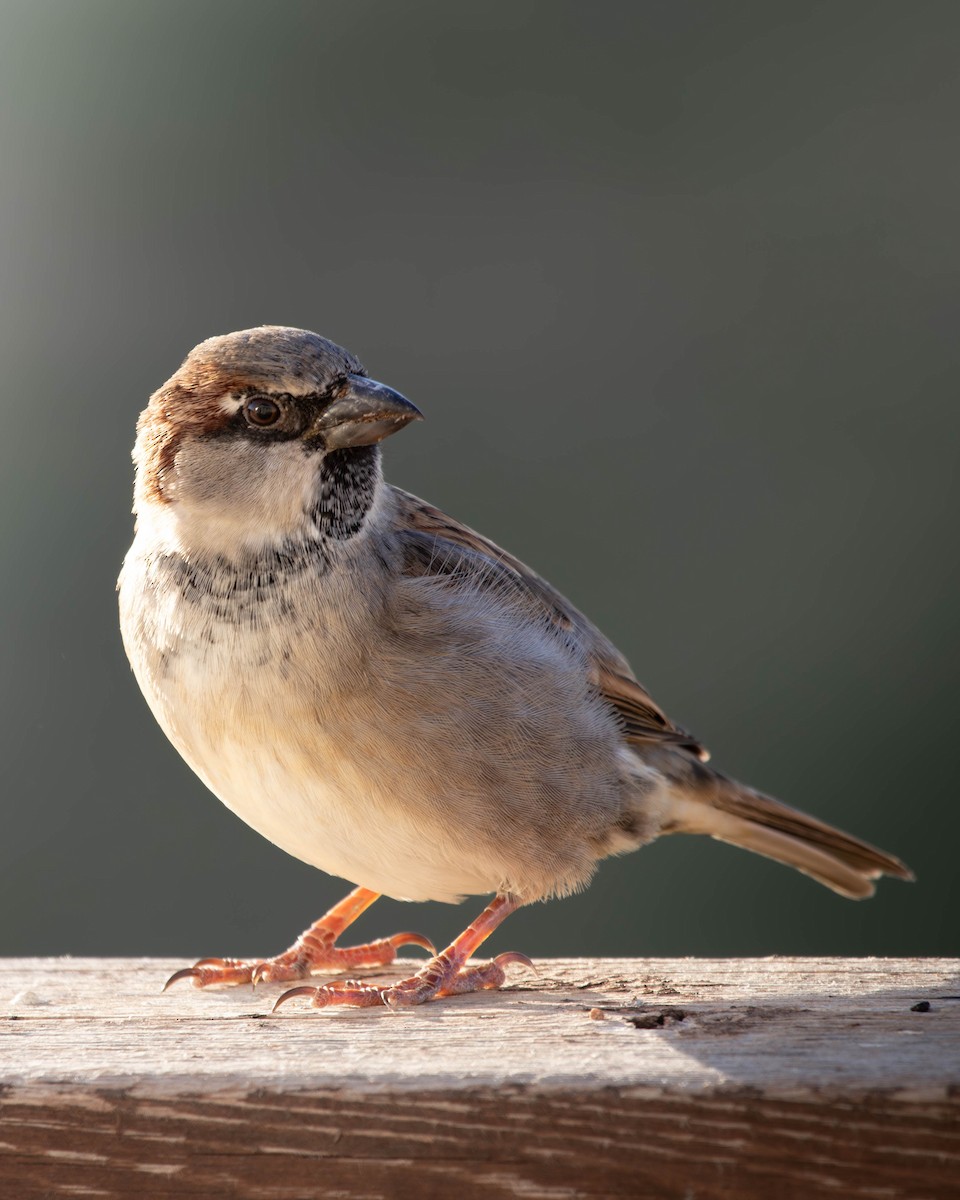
230,493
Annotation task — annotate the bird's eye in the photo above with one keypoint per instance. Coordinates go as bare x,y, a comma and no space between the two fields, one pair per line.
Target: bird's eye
261,411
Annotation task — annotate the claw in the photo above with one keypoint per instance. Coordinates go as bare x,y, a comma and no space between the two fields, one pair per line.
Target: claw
186,973
297,991
257,973
413,939
515,958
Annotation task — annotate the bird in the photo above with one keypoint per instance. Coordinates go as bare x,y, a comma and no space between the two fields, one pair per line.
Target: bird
383,692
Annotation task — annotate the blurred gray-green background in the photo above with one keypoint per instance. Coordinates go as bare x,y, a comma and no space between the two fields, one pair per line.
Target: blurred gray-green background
676,285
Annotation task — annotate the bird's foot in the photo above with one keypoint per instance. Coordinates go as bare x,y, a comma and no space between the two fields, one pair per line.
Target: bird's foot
444,975
303,958
314,950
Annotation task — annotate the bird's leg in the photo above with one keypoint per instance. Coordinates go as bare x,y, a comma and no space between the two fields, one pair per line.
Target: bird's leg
444,975
314,950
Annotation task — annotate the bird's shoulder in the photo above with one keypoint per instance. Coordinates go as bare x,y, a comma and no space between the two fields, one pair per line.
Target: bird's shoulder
435,544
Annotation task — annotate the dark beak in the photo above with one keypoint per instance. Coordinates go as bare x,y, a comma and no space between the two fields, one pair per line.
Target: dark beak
362,413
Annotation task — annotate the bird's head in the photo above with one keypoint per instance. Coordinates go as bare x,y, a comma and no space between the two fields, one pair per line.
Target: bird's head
259,435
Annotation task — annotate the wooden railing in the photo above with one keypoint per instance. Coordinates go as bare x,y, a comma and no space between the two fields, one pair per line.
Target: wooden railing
680,1078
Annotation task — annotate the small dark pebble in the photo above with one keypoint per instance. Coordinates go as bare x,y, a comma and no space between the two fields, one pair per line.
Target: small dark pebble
922,1006
657,1020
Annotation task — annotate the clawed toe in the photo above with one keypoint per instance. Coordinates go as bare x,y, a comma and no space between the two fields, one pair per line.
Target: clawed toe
207,972
441,977
351,991
314,950
186,973
487,977
297,991
446,974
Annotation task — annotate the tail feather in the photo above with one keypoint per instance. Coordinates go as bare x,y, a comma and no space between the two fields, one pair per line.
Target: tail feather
711,803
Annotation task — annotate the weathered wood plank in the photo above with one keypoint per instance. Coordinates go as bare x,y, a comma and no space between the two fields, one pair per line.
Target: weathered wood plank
673,1078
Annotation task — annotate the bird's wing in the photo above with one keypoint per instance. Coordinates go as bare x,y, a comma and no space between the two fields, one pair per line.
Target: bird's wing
435,544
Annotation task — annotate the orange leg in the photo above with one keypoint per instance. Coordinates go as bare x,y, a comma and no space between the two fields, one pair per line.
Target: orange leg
314,950
444,975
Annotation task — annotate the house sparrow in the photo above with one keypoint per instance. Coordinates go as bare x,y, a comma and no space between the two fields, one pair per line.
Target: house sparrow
383,692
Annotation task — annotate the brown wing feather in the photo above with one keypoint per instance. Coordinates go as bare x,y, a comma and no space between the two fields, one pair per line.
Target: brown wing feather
432,548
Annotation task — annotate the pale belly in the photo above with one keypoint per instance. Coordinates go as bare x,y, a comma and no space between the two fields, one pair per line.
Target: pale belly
342,821
395,764
325,799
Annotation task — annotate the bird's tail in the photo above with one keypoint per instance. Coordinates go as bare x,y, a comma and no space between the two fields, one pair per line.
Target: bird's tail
705,801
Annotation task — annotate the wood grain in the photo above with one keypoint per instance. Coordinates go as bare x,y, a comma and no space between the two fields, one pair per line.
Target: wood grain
712,1079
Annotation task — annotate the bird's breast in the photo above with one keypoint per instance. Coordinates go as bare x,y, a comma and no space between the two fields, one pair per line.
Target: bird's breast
397,738
269,689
